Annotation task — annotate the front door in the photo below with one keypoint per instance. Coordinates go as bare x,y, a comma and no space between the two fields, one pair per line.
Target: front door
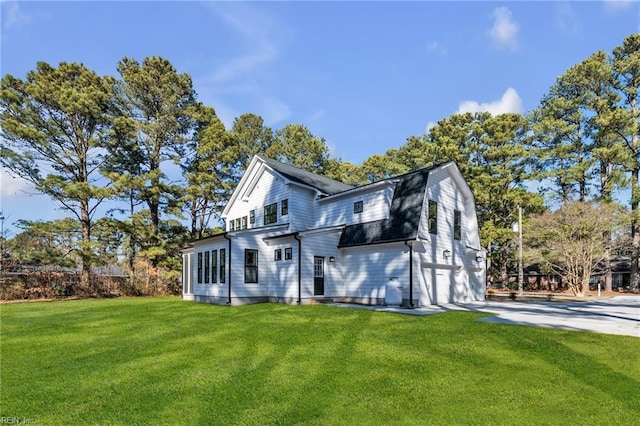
318,276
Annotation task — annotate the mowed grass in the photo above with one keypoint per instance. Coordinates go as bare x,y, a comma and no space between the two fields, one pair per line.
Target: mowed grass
167,361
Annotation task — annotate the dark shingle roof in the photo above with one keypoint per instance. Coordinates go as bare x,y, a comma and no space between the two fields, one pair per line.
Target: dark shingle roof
321,183
404,215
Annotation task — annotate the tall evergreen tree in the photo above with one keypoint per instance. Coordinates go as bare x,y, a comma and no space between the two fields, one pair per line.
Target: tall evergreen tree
154,100
294,144
208,170
626,71
53,127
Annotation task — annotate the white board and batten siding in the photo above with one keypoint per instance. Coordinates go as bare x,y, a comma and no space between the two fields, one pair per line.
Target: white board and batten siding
456,278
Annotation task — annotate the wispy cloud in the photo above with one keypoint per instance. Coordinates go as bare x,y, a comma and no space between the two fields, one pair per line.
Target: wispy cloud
509,102
504,31
239,77
12,14
620,5
436,47
11,186
257,29
566,19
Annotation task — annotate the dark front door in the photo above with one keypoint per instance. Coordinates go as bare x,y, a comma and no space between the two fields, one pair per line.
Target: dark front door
318,276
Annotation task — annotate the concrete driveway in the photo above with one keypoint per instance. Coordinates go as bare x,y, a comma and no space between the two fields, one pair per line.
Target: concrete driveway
618,315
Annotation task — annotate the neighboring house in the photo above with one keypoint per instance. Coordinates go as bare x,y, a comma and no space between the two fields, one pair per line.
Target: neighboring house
536,277
298,237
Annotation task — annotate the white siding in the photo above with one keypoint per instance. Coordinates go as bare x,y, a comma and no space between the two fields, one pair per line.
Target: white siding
301,208
376,204
282,279
217,289
269,189
322,244
367,269
458,277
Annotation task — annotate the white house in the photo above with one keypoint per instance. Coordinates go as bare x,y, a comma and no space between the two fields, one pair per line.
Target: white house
298,237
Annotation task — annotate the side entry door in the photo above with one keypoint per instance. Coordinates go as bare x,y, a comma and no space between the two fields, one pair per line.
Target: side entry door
318,276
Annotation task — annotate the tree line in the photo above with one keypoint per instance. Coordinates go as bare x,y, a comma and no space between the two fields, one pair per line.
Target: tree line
144,140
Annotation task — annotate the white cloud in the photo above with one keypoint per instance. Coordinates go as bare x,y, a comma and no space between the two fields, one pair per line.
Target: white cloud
239,77
620,5
11,186
509,102
436,47
273,110
12,15
566,19
504,31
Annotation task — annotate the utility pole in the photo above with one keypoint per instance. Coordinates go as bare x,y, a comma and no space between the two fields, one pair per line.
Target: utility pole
520,266
1,242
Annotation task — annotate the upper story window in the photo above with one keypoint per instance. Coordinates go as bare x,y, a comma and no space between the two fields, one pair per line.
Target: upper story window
433,217
252,217
271,214
244,222
288,253
232,225
237,223
457,225
358,207
284,207
277,255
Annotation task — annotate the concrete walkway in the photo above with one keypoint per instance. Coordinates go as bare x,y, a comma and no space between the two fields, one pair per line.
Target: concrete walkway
618,315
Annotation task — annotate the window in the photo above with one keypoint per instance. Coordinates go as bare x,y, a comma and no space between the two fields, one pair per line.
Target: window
232,224
206,267
214,266
277,255
199,268
284,207
252,217
251,266
244,222
288,253
357,207
457,225
433,217
238,224
271,214
222,261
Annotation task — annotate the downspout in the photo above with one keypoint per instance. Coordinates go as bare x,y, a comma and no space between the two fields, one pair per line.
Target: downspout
406,243
228,269
297,237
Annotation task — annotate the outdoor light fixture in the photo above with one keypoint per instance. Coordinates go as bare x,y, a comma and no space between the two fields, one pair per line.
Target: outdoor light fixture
446,254
332,259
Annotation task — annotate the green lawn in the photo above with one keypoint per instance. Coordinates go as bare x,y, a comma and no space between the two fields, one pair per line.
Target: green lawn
167,361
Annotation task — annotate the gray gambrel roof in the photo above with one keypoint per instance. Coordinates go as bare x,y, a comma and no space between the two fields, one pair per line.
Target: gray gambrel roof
321,183
404,215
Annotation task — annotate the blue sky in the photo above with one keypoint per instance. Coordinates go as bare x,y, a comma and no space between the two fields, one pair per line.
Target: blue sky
363,75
